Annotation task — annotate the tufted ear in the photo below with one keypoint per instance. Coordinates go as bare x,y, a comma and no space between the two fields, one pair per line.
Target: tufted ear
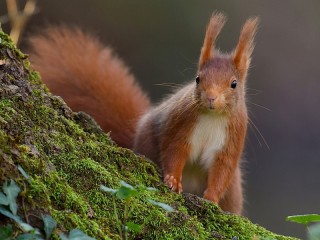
243,51
214,27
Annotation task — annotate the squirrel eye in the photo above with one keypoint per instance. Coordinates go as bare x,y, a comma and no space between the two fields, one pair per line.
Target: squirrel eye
234,84
197,79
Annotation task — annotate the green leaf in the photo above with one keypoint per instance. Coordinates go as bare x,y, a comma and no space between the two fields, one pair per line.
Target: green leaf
152,189
266,238
142,189
109,190
8,214
49,225
76,234
134,227
304,219
26,227
29,236
12,190
125,193
26,236
63,237
127,185
23,172
3,199
314,232
162,205
6,232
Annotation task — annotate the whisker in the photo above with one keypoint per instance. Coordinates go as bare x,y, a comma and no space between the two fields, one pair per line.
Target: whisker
260,134
258,105
173,85
253,91
188,59
185,70
252,94
191,107
256,136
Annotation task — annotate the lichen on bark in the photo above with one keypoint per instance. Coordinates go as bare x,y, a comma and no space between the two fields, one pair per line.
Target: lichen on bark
68,157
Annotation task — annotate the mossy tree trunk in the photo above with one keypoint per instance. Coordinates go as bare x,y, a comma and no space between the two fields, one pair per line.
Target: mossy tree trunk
68,157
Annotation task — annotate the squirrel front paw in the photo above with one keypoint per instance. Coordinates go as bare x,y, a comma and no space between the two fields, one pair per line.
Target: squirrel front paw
173,183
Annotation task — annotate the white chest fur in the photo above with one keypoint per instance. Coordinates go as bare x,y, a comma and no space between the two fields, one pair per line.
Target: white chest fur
207,138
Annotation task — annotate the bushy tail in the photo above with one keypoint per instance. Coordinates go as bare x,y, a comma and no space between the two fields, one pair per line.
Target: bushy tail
90,78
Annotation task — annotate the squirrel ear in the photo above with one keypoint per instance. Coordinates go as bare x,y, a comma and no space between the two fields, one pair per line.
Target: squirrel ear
242,54
214,27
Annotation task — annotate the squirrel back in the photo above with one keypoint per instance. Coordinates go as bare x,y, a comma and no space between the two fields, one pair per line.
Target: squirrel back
77,67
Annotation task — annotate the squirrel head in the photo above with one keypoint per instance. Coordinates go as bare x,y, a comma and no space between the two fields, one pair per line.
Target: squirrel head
220,84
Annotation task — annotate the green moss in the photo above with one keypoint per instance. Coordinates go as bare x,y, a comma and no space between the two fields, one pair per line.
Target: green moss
7,42
68,158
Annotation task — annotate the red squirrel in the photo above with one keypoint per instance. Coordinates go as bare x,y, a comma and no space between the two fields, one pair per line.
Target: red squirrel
196,135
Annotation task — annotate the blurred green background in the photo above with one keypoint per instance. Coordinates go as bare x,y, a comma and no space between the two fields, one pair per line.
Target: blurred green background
160,40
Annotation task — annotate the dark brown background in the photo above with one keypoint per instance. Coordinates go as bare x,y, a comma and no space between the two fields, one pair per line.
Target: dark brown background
160,40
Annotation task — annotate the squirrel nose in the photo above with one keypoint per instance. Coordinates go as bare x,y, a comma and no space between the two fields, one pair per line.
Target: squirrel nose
211,102
211,99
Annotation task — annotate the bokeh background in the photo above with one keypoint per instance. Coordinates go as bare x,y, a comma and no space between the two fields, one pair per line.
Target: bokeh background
160,40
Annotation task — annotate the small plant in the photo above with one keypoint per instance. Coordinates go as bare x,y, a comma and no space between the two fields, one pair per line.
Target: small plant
9,208
126,193
313,230
75,234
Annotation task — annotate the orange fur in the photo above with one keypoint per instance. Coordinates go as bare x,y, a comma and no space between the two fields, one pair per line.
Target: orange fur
233,197
213,29
82,71
171,125
176,133
242,54
174,149
222,172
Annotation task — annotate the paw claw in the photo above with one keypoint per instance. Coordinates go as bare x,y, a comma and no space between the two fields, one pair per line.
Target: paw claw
173,183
